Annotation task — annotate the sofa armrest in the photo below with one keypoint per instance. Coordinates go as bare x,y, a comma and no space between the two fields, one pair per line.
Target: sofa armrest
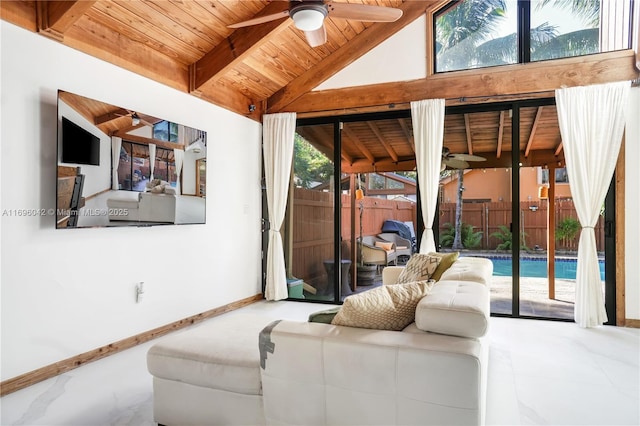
390,274
316,373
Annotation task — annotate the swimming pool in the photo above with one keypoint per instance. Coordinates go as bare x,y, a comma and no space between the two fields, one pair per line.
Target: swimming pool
537,267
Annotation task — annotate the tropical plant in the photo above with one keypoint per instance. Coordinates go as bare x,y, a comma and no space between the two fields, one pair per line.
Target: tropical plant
589,10
466,35
567,228
470,238
310,165
504,234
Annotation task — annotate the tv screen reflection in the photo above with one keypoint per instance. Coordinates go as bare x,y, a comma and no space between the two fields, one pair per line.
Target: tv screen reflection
121,167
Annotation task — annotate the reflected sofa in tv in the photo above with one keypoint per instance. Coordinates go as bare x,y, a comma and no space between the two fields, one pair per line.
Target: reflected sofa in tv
143,206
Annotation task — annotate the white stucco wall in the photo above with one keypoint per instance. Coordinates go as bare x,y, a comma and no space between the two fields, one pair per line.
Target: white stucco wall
401,57
67,291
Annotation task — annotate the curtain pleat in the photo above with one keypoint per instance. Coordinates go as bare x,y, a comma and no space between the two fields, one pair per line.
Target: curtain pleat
152,159
178,158
278,136
427,117
591,121
116,146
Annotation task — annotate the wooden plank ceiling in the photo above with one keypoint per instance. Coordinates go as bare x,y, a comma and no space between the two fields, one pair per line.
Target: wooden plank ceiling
187,45
388,144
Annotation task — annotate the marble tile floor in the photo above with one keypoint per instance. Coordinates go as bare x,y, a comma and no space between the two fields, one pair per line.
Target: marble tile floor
540,373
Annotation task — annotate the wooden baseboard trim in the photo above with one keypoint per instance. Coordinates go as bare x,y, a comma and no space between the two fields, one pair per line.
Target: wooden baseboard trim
27,379
632,323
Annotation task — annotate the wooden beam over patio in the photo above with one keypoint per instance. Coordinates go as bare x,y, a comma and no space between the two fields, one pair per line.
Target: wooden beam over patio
509,80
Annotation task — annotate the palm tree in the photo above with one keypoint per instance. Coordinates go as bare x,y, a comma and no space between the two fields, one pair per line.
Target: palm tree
462,35
457,240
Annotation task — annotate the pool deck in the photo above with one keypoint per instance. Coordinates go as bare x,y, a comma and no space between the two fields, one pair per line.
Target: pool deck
534,298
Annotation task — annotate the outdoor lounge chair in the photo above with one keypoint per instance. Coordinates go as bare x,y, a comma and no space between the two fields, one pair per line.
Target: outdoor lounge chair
402,245
376,254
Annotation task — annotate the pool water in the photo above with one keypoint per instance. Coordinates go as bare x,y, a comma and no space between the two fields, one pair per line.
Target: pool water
537,267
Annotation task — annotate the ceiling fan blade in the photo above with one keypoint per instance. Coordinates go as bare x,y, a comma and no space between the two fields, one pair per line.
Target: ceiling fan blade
260,20
467,157
363,12
456,164
316,38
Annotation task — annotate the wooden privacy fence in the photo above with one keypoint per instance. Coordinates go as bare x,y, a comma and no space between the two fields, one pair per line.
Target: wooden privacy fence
311,227
311,238
487,218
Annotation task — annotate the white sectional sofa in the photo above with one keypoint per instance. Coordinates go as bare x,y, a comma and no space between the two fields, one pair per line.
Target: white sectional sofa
433,372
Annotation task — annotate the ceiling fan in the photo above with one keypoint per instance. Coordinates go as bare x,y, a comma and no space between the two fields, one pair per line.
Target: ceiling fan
309,16
136,119
457,161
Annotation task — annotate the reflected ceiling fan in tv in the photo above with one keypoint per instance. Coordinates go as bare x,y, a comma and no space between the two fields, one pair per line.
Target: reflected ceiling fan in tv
79,146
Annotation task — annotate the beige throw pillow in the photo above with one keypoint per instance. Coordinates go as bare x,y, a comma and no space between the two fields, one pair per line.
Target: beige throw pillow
420,267
389,307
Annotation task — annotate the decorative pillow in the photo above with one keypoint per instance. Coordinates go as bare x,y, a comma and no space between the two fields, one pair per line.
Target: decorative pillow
389,307
325,316
446,260
158,189
420,267
152,183
384,246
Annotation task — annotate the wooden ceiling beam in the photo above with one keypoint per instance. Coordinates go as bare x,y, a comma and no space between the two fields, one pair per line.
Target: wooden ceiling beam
348,53
534,126
386,165
54,18
559,149
467,129
146,141
464,86
500,134
407,134
383,142
110,116
242,43
354,139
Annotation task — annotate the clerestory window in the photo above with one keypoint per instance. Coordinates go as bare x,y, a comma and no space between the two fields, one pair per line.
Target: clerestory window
482,33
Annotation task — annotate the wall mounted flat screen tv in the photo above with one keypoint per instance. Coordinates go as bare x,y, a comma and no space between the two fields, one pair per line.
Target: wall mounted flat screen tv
117,166
78,145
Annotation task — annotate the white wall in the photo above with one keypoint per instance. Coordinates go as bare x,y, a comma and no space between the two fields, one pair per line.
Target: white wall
400,57
68,291
632,208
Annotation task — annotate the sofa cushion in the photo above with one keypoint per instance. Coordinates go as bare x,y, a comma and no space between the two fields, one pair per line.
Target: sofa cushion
384,246
222,354
446,260
476,269
457,308
420,267
389,307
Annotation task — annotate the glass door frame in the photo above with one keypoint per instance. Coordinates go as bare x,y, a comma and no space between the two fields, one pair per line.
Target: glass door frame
610,241
514,106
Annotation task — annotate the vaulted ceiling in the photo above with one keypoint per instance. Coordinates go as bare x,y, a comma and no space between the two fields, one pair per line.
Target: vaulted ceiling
188,45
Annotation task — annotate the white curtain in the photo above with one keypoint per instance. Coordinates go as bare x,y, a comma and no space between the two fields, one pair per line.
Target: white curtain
152,158
427,117
278,134
591,121
116,145
178,157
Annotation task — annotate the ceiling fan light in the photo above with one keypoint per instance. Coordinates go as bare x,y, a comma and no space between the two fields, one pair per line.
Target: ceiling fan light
135,120
309,19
